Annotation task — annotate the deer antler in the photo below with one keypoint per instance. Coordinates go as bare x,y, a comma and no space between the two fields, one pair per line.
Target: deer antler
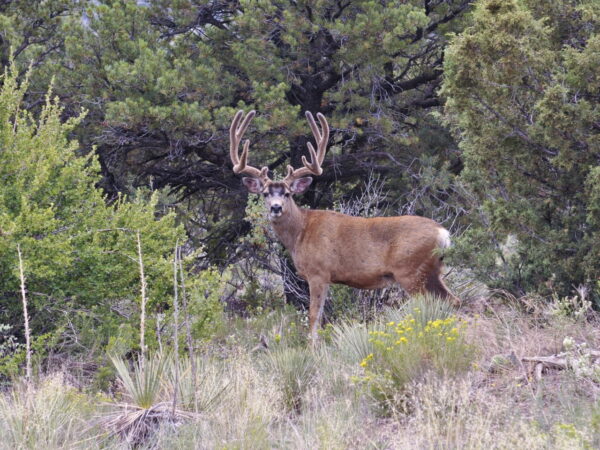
236,131
316,157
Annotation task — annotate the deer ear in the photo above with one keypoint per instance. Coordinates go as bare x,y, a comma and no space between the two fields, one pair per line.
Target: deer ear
252,184
300,185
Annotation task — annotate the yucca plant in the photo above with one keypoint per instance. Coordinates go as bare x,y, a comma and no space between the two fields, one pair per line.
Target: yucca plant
143,384
147,408
352,341
423,308
293,370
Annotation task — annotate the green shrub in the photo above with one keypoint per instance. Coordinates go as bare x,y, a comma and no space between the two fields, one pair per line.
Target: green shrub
205,307
405,351
521,87
79,253
143,385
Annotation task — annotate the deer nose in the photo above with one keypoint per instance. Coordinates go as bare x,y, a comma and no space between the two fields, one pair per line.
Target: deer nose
276,209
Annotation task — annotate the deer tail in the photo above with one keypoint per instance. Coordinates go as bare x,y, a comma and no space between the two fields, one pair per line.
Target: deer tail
443,238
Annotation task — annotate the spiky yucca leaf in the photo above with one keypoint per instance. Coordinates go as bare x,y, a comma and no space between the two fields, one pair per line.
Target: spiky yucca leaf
294,369
150,408
352,341
423,308
143,385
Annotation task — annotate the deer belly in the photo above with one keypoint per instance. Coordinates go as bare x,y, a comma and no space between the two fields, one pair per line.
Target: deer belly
364,280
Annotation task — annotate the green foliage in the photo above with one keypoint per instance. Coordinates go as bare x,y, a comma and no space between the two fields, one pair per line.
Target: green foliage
262,291
204,305
423,308
143,384
405,351
166,87
575,307
9,343
13,360
522,90
352,341
80,254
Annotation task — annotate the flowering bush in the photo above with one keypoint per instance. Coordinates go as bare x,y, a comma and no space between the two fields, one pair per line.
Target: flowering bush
407,350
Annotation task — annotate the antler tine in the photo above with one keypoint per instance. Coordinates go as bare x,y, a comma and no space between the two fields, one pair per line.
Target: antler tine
316,157
236,131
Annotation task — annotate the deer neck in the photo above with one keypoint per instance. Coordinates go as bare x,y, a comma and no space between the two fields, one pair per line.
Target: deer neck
289,226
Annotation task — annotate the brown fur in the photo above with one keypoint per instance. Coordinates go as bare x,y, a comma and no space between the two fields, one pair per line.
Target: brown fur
329,247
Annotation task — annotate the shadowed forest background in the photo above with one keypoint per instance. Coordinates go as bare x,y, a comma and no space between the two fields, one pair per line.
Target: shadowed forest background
114,122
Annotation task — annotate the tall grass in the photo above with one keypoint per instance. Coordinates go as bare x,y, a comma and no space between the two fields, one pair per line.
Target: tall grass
51,415
423,308
201,385
352,341
293,370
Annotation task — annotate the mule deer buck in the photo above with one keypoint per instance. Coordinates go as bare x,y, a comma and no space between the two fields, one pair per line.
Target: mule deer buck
330,247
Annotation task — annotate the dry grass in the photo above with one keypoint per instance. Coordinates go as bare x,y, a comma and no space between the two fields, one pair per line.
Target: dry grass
243,401
49,414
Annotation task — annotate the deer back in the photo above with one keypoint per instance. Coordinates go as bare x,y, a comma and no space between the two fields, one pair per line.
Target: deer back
362,252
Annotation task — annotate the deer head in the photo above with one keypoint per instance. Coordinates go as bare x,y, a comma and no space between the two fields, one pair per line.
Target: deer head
277,194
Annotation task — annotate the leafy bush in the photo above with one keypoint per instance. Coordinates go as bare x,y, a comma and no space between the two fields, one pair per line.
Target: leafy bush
407,350
80,253
205,307
521,87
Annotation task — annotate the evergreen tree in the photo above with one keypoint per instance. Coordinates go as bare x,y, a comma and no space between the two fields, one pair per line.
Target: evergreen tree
523,90
168,77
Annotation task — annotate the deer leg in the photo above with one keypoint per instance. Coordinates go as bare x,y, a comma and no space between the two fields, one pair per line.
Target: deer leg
412,282
436,286
318,293
427,279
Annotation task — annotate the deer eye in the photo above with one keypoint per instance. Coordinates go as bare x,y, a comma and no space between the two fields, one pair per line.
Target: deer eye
265,194
287,194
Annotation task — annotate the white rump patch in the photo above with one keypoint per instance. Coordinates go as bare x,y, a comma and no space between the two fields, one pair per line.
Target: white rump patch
443,238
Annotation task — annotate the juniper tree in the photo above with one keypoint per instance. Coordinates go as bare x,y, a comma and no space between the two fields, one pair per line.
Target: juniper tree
523,89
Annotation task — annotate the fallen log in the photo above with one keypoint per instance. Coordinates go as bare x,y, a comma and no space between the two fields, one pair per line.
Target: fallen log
560,361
